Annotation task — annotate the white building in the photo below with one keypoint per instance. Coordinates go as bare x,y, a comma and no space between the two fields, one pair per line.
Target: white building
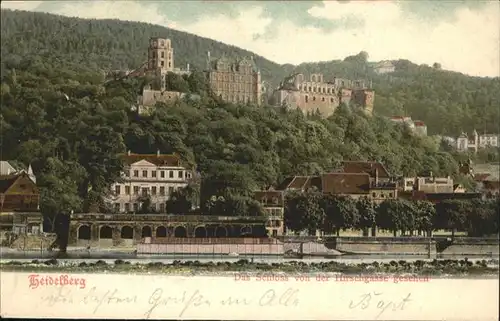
153,176
417,126
476,141
384,67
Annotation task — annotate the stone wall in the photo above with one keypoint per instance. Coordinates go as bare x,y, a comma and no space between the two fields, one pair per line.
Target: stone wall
370,245
217,249
33,242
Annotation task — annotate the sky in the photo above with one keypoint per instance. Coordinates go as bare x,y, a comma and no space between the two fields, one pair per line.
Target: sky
462,36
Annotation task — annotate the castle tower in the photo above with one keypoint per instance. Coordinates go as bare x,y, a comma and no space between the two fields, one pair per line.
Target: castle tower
160,56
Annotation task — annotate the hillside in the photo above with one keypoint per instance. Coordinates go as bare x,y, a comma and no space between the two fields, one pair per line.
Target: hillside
448,102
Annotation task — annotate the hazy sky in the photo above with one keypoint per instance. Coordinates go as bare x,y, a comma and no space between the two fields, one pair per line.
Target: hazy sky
461,35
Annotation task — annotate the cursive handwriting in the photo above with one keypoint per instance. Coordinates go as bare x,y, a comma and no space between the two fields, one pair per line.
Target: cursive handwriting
382,306
109,297
270,298
187,301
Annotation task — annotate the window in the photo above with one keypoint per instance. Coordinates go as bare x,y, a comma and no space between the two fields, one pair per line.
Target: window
170,190
144,191
144,173
163,54
314,98
374,194
154,54
171,174
117,207
153,190
275,233
162,190
390,194
136,173
331,100
323,99
153,173
117,189
127,207
162,207
162,63
136,207
162,174
127,190
307,98
180,174
169,65
136,190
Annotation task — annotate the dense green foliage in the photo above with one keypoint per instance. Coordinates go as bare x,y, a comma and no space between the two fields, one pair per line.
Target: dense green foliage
447,102
313,211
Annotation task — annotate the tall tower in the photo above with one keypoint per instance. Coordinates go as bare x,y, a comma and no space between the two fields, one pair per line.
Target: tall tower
160,55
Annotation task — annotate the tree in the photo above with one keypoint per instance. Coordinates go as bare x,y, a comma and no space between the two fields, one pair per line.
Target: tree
59,195
340,213
425,213
452,215
395,215
367,214
304,212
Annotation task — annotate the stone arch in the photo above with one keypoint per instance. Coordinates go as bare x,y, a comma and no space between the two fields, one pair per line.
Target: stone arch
146,231
221,231
200,231
161,231
180,231
105,232
246,230
127,232
84,232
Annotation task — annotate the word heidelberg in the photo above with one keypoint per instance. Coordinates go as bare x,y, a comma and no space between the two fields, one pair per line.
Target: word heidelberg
271,277
36,281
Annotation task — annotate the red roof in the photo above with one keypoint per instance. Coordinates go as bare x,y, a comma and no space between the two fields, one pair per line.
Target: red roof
365,167
419,123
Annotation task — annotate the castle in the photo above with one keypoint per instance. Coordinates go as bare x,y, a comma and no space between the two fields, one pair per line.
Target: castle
316,94
235,81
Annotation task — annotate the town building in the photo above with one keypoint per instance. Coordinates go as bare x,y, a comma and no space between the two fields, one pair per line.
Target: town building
273,203
384,67
353,179
487,178
417,126
473,143
428,184
148,178
235,80
318,95
19,204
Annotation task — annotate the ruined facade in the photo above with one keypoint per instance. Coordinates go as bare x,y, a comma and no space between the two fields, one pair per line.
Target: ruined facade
235,81
316,94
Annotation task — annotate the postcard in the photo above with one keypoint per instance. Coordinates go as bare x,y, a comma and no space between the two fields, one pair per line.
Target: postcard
250,160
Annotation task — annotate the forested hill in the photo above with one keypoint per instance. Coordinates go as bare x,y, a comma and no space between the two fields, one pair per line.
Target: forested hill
448,102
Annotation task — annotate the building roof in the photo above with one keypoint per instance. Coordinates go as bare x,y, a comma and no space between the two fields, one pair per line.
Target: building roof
365,167
345,183
6,168
294,182
419,123
157,159
269,196
6,181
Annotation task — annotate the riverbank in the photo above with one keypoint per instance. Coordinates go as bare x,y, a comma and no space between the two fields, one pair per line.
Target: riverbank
419,267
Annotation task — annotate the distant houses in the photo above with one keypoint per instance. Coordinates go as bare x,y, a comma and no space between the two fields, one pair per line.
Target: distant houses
417,126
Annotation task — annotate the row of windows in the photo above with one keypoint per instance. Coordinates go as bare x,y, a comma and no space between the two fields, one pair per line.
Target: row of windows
162,174
236,98
233,87
162,55
274,211
322,99
230,77
324,90
162,63
157,207
144,191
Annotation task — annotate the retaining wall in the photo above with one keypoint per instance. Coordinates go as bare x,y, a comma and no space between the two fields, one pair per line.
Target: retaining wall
389,245
241,249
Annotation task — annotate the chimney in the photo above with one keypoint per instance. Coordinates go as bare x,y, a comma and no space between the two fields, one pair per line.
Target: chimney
158,152
128,153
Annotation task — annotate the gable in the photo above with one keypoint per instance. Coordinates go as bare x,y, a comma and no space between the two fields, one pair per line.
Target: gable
21,185
143,162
